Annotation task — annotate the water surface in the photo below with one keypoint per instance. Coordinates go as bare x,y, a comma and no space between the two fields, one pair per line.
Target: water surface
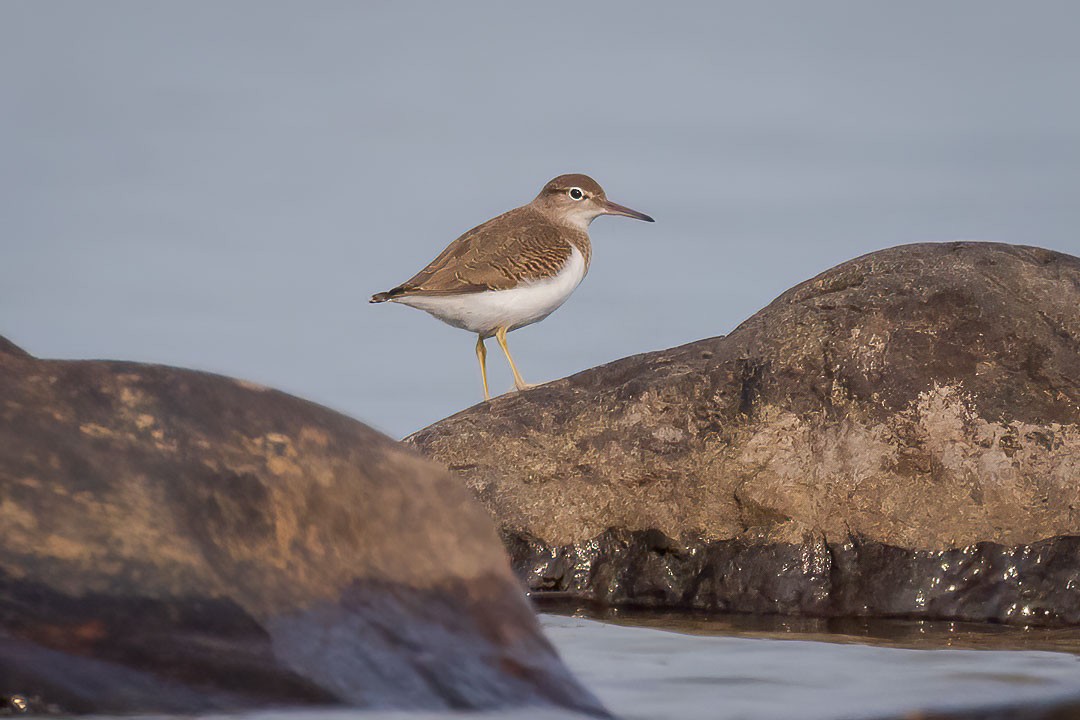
755,668
885,632
645,673
223,185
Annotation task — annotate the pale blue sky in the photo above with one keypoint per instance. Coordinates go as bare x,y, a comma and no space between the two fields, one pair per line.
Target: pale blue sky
222,185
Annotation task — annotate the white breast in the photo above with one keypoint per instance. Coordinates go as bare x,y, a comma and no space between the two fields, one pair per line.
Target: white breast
486,312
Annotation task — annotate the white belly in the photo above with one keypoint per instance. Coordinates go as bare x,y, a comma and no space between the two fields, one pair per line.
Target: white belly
486,312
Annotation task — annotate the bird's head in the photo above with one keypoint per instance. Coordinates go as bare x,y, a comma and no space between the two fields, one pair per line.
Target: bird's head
577,200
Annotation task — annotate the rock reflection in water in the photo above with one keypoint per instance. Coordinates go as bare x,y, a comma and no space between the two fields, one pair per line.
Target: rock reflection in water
920,634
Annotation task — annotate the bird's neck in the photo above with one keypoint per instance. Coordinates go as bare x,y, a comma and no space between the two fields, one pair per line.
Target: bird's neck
580,239
576,229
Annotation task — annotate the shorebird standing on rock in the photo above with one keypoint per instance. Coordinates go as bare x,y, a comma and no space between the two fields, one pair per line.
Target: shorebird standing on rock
515,269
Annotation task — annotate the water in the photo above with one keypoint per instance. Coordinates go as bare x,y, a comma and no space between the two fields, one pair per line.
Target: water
651,673
222,186
884,632
767,668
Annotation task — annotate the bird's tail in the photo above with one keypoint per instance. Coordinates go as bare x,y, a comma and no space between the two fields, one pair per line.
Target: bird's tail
384,296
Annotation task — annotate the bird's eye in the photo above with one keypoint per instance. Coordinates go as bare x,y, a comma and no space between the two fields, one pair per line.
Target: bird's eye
576,194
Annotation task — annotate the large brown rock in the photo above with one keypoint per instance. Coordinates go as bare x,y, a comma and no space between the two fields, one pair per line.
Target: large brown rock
174,541
897,436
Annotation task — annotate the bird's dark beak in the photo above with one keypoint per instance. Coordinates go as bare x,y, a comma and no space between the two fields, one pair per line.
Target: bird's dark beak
611,208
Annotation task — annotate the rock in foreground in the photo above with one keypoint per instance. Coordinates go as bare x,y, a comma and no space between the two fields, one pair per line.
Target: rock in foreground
897,436
179,542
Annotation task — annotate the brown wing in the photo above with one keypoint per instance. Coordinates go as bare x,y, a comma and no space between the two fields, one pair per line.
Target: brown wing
519,245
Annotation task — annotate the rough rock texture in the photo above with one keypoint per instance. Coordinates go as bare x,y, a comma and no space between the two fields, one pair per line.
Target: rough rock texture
896,436
174,541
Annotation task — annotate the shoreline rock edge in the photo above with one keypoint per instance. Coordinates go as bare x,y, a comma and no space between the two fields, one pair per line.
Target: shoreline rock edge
914,405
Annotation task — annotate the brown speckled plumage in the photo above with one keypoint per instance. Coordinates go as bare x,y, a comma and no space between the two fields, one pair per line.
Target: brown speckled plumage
526,244
518,246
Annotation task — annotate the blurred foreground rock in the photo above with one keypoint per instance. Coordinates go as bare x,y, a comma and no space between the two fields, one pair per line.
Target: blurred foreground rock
899,436
173,541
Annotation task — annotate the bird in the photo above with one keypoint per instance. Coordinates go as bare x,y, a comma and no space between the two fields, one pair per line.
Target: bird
515,269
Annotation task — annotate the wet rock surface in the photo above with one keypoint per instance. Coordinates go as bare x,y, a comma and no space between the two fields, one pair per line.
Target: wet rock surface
899,436
1030,584
174,541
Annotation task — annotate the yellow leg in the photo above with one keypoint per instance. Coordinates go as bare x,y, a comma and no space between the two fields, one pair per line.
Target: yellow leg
519,383
481,355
